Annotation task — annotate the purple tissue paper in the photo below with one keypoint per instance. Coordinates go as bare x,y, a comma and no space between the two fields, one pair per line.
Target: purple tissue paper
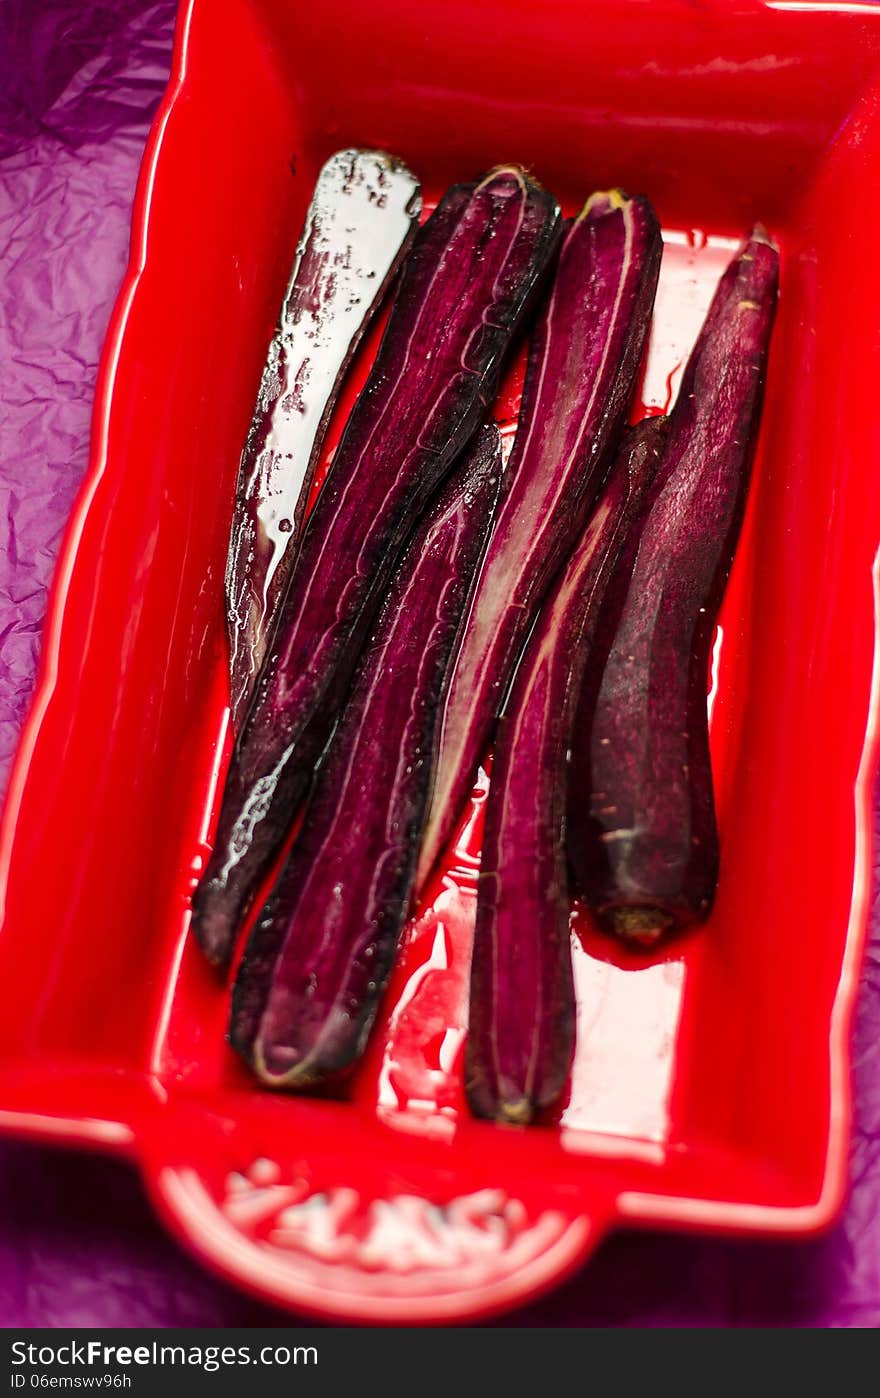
80,81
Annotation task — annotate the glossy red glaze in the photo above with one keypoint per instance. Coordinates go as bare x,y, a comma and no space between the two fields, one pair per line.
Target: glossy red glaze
710,1087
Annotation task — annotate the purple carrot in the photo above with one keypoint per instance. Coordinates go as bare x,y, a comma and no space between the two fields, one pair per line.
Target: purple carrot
522,1010
643,840
473,269
313,974
581,372
362,216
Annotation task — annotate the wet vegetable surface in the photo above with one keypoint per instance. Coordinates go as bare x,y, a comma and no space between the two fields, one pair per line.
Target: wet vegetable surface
309,986
522,1008
643,839
362,215
581,372
473,269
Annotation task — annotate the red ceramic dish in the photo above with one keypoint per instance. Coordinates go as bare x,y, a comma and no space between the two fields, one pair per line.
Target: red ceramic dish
711,1082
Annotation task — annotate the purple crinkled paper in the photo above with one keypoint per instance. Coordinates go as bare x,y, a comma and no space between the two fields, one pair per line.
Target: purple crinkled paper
79,83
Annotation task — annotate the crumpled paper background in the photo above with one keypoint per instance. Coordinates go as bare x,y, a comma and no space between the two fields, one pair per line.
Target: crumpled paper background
79,84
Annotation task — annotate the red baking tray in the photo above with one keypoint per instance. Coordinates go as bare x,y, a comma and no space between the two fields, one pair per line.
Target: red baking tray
711,1083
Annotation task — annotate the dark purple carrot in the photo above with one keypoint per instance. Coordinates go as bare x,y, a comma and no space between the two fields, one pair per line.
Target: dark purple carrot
362,216
643,840
473,269
522,1009
581,372
315,968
